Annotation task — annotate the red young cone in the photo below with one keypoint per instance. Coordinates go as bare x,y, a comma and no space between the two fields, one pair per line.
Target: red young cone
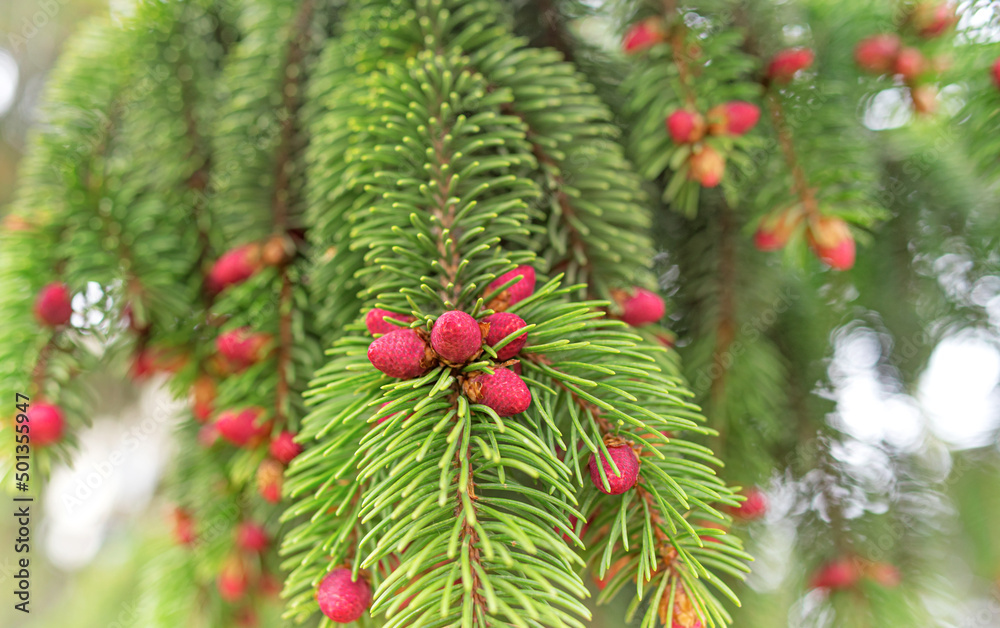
924,99
933,19
456,337
388,416
776,228
642,307
612,571
884,574
252,537
246,618
203,397
995,70
877,54
685,615
518,291
628,468
208,435
270,479
183,527
502,324
754,507
910,64
242,347
343,599
283,447
735,117
243,428
269,585
52,306
644,35
376,323
401,353
572,524
841,573
233,580
235,266
831,240
685,126
706,167
503,391
46,424
786,63
152,360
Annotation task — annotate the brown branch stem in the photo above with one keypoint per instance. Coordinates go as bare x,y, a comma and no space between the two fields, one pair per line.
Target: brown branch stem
800,184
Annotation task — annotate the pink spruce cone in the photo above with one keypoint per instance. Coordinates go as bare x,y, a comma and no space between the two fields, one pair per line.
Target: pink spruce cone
754,507
376,323
252,537
628,466
643,36
233,580
456,337
235,266
401,353
642,307
52,306
877,54
270,479
735,117
46,424
502,324
831,240
242,347
243,428
786,63
514,293
342,599
685,126
503,391
283,447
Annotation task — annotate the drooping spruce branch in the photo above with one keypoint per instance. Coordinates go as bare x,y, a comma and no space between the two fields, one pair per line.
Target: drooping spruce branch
397,127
